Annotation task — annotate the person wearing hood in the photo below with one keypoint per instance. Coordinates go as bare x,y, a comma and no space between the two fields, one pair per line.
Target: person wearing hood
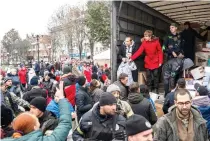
48,84
83,99
15,82
36,90
172,70
202,101
127,49
123,108
183,122
153,59
140,105
10,99
95,90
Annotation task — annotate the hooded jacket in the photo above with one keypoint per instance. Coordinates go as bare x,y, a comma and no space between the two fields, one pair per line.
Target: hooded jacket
95,94
153,51
203,105
60,133
22,75
166,127
142,106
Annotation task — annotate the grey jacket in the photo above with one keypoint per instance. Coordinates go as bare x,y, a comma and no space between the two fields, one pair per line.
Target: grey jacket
166,127
123,89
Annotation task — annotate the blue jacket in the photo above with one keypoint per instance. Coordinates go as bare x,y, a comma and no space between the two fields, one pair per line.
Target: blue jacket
53,107
205,111
37,67
60,133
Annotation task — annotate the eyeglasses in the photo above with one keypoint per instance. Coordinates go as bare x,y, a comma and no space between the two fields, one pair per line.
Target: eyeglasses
184,103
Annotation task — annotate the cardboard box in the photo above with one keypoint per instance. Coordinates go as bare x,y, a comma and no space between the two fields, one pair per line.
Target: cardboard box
198,72
142,77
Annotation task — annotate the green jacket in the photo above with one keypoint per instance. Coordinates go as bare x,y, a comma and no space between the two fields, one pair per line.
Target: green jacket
166,127
60,133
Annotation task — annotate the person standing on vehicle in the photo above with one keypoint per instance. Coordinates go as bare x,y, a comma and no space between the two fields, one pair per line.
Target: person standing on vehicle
127,49
173,42
153,59
101,122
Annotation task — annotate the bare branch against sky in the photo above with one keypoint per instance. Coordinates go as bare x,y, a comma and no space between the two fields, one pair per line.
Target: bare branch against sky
29,16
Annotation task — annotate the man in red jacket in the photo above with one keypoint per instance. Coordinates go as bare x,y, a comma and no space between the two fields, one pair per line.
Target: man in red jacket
153,59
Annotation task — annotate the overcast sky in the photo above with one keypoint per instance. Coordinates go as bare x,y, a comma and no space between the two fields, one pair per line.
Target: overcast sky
29,16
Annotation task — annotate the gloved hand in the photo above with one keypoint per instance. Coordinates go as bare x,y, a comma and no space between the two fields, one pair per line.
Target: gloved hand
120,135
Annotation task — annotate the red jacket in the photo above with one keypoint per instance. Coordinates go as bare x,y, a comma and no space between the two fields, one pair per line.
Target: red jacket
153,51
22,75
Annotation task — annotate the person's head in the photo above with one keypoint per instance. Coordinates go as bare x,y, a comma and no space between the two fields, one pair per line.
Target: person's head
187,63
128,41
182,100
6,116
144,91
173,28
134,88
81,81
25,123
114,90
94,84
13,71
138,128
38,106
201,90
8,82
107,103
34,81
187,25
94,76
123,78
148,35
67,69
46,75
181,83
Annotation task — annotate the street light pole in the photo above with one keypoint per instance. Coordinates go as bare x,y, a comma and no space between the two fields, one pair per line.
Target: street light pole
37,38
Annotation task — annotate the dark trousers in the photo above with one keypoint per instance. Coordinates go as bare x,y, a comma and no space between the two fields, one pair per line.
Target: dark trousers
135,75
152,78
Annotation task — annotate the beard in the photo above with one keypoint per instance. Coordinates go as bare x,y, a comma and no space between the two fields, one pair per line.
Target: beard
184,112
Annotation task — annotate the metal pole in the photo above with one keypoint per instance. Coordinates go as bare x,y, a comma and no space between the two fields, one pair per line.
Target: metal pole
113,42
38,46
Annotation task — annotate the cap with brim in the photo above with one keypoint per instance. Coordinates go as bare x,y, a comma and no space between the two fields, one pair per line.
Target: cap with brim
174,24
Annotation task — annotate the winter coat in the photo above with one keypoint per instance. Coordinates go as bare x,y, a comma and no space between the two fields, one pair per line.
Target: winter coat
97,127
22,76
123,90
31,74
88,74
15,79
166,127
124,109
203,105
168,102
36,91
83,102
96,94
60,133
37,67
153,51
48,122
12,101
141,106
50,87
127,68
53,108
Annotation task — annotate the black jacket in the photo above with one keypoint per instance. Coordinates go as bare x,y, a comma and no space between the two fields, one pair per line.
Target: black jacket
36,91
168,102
48,121
122,54
142,106
48,85
83,102
173,67
98,127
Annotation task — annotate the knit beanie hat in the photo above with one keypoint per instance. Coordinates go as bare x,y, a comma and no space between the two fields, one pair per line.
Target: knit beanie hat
24,124
34,80
6,79
6,116
81,80
136,124
107,99
40,103
111,88
67,69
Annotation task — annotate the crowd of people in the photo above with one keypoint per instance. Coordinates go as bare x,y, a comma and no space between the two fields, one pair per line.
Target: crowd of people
77,101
